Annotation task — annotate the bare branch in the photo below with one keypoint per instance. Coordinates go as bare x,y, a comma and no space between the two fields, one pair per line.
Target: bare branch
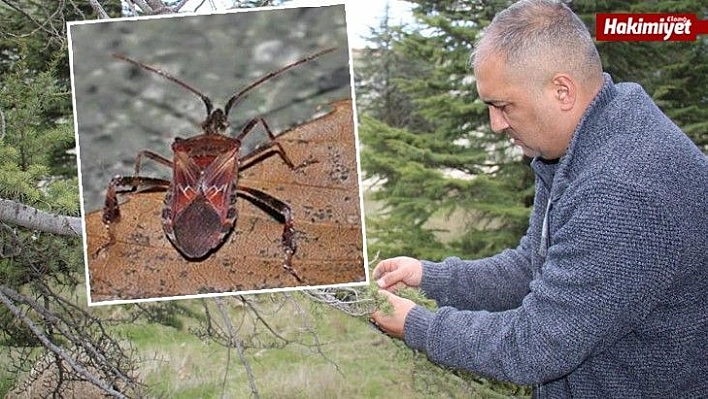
238,344
7,296
47,26
153,7
35,219
2,125
264,321
102,14
306,322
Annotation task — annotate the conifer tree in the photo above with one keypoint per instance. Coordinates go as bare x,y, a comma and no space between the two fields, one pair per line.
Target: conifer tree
35,168
40,271
442,171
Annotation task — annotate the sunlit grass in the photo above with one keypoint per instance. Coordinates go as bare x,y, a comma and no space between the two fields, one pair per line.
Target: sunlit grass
353,360
358,362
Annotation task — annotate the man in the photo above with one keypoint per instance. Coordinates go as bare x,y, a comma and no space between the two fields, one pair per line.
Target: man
605,296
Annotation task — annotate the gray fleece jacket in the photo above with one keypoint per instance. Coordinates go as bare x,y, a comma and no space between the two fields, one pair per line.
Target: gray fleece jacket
607,293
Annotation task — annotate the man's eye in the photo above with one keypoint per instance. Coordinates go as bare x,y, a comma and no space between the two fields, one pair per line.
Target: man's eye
504,108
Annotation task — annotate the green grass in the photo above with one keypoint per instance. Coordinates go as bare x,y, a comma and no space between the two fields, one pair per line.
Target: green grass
448,227
352,361
177,364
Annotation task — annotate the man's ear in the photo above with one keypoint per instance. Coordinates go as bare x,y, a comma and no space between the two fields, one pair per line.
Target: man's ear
565,91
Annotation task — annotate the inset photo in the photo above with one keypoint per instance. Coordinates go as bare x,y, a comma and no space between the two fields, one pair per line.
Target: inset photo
218,154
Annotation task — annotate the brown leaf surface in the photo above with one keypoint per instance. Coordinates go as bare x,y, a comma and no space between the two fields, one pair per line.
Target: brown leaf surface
324,196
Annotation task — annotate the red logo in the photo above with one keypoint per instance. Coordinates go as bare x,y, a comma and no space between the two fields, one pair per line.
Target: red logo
648,27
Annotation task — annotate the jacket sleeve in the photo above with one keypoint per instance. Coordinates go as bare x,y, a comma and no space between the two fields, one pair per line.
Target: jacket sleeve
607,266
495,283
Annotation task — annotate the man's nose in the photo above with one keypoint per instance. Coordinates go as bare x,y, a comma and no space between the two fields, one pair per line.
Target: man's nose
497,121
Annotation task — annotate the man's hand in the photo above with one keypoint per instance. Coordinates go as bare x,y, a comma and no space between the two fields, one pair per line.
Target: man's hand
392,324
390,274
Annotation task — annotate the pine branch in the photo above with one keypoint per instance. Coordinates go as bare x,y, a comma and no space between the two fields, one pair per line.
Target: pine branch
22,215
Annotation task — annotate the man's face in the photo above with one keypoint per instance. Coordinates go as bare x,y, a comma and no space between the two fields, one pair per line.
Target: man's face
521,109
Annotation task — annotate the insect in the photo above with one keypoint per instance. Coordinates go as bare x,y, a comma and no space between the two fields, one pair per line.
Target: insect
200,204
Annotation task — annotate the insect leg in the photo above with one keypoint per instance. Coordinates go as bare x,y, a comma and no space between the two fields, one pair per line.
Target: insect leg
111,211
151,155
272,204
260,153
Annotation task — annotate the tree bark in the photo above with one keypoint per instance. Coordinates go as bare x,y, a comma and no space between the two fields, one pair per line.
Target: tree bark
22,215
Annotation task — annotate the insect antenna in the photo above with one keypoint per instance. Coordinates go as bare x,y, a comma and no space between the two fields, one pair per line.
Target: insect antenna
166,75
236,98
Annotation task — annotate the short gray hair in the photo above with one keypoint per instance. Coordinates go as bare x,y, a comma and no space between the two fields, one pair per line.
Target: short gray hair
540,35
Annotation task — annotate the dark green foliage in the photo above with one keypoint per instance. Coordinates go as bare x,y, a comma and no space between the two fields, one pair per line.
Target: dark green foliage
681,91
37,147
38,28
37,160
37,169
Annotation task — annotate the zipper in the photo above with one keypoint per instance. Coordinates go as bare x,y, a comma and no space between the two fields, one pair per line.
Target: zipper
545,232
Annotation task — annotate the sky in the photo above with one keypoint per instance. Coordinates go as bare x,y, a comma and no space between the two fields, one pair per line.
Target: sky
361,14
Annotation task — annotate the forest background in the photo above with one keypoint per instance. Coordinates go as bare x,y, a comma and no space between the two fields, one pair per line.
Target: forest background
439,183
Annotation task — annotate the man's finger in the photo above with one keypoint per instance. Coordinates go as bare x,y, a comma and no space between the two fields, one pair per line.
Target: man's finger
391,279
382,268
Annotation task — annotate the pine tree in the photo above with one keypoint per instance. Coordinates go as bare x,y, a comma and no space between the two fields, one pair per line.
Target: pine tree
37,148
681,94
35,168
377,78
38,170
440,173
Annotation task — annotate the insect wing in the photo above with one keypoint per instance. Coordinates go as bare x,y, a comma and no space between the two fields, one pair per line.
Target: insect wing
185,183
200,208
218,184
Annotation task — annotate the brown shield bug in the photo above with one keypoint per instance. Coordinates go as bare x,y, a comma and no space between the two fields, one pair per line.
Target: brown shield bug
200,205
